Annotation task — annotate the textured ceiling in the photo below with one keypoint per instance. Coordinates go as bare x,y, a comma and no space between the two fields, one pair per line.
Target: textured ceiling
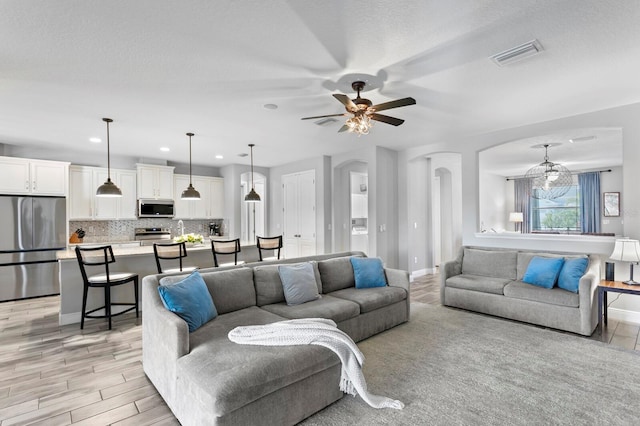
162,68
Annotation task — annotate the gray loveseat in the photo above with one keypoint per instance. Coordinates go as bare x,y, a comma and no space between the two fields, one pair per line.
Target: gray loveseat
208,380
490,281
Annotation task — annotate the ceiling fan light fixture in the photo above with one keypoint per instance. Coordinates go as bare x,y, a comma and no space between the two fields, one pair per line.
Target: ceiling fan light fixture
108,188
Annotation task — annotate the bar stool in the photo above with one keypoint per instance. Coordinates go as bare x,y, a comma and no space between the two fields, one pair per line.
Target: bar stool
171,251
103,256
270,244
225,247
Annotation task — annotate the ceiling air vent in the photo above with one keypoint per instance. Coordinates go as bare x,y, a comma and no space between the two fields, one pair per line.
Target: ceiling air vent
517,53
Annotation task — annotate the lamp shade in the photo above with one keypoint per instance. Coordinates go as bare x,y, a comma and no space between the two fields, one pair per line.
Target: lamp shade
108,189
252,197
517,217
626,250
190,193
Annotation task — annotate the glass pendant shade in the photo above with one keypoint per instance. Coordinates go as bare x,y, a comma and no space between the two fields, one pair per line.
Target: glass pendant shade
190,193
252,196
549,180
108,188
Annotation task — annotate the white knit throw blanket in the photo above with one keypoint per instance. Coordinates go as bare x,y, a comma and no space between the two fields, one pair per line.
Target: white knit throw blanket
323,332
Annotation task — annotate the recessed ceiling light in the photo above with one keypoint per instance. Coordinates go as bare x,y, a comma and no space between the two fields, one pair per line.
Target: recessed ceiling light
271,106
219,157
95,140
165,149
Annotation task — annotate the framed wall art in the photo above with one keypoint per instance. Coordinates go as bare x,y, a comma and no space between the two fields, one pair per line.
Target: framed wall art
611,204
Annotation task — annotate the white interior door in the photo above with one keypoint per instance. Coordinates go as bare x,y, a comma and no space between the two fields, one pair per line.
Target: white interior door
299,205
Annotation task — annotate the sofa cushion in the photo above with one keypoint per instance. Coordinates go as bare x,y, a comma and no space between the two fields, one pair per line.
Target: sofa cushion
368,272
571,272
552,296
371,299
227,376
328,307
336,274
190,300
543,272
268,285
232,289
525,257
478,283
298,283
490,263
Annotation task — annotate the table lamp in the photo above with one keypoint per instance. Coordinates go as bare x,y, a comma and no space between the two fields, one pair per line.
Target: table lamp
516,217
627,250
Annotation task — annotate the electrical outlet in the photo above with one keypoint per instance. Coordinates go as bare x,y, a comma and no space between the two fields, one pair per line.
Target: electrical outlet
329,227
415,260
415,225
91,229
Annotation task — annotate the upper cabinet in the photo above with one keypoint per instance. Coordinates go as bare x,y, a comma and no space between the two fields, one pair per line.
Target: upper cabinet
83,203
211,202
155,181
35,177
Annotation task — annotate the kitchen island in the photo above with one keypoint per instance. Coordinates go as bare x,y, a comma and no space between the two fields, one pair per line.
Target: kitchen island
129,258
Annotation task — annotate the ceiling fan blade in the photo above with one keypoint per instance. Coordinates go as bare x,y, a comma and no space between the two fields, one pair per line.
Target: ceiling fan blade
324,116
394,104
343,128
346,101
386,119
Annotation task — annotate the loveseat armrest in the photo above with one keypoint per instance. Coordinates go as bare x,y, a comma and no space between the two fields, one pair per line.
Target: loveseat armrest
587,289
448,270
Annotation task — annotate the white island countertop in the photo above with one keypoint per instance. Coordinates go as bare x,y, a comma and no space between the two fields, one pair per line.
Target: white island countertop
132,248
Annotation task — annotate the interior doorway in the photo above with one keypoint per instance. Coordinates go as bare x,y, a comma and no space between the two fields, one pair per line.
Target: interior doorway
359,200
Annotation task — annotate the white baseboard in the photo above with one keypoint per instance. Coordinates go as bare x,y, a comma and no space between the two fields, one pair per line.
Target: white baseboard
624,315
422,272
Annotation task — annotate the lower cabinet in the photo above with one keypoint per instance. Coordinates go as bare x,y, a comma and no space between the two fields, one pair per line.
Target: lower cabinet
83,203
211,202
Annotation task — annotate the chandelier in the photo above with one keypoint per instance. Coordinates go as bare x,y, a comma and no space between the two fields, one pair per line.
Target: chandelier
549,180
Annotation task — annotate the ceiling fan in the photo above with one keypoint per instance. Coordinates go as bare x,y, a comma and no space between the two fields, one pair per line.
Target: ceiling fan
363,111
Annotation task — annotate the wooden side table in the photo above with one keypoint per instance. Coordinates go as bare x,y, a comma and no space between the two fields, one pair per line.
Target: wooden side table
617,287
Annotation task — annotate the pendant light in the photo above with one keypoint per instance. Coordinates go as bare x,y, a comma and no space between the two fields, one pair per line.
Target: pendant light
252,196
549,180
108,189
190,193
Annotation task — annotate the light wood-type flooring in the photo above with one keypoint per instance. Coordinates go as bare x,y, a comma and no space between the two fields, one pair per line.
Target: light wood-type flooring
52,375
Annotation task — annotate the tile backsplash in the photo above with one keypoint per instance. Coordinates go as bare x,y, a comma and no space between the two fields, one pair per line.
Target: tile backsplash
100,231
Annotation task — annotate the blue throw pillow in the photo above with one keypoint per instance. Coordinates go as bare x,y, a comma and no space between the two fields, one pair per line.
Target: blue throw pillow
368,272
298,283
543,271
571,272
190,299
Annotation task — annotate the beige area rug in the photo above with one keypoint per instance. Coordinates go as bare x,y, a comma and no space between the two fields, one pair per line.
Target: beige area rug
452,367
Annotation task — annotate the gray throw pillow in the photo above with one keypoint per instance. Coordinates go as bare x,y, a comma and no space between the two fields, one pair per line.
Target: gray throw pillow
298,283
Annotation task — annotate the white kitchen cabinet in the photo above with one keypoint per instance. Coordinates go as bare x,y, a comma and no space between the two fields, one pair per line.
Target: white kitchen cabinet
35,177
155,181
211,202
83,203
299,198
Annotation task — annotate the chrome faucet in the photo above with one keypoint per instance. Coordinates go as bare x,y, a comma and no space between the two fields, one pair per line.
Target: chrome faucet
181,226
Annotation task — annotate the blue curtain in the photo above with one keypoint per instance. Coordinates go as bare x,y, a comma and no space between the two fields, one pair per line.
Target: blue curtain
522,196
589,184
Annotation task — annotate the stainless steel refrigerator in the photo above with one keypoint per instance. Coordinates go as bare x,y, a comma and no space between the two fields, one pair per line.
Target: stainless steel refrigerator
33,229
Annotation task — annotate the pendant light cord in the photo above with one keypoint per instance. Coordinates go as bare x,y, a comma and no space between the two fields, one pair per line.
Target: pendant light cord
190,134
108,120
252,185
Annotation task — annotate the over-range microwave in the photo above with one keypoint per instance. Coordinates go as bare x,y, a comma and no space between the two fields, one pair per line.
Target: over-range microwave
155,208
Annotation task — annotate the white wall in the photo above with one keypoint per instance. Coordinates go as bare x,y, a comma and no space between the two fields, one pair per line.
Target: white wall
612,182
494,203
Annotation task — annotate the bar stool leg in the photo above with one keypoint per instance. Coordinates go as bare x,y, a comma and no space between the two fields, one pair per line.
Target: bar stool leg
135,288
107,303
84,306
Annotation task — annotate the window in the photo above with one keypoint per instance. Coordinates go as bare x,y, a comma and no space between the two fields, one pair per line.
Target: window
559,215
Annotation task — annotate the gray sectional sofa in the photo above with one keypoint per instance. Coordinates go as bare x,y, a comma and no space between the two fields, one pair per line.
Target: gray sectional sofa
489,280
208,380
